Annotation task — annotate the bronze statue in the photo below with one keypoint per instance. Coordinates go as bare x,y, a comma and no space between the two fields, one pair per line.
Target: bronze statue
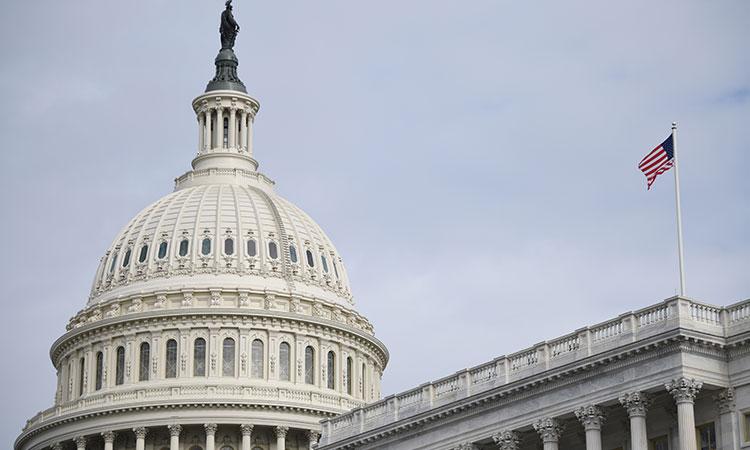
228,28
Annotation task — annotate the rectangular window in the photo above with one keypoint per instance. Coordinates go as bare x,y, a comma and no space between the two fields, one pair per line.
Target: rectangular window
706,436
659,443
746,425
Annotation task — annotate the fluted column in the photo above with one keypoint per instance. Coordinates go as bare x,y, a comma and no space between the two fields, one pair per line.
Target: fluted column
281,437
507,440
312,438
201,130
243,130
684,391
636,403
232,131
550,430
174,436
729,429
80,442
250,120
140,437
247,434
592,418
210,435
207,129
219,128
109,439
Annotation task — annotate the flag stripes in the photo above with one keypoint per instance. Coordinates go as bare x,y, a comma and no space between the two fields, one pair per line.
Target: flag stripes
658,161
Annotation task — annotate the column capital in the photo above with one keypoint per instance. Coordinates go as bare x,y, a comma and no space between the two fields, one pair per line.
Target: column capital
591,417
507,440
80,441
281,431
174,429
313,436
140,432
684,390
246,429
636,403
109,436
210,429
549,429
725,400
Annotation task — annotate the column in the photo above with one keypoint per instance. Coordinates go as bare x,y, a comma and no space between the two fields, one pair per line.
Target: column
636,403
592,418
280,437
174,436
312,438
219,128
550,430
729,429
243,130
684,391
80,442
250,120
207,129
210,435
201,130
507,440
140,437
232,131
247,434
109,440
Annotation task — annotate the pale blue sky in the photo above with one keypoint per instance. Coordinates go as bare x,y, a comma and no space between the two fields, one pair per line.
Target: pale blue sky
473,161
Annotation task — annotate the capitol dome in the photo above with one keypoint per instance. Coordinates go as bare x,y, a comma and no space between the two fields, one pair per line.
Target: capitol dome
220,317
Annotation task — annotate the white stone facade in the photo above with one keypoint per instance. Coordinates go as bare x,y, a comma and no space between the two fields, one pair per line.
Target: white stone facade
675,375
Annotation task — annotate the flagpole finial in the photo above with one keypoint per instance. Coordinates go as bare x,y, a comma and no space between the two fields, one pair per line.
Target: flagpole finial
674,125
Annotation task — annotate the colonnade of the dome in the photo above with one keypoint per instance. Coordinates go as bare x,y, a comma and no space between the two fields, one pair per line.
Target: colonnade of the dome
226,123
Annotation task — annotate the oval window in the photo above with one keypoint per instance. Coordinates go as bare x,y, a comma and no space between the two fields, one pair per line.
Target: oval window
273,250
335,269
144,253
324,262
126,259
310,259
206,246
162,251
293,253
252,248
184,247
229,246
113,263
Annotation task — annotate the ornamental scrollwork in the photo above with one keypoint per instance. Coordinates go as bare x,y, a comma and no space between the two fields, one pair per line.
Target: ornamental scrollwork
684,390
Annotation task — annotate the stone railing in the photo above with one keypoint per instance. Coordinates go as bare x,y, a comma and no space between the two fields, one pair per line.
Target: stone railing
671,314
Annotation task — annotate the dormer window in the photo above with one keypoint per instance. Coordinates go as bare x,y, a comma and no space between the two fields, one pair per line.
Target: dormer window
310,259
324,263
206,246
229,246
126,259
293,253
113,263
162,253
273,250
144,253
252,247
184,246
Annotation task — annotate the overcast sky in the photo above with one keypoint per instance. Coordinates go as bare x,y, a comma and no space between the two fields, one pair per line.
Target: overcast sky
473,161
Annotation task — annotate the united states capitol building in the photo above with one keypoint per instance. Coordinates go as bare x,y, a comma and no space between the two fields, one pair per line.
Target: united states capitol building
221,318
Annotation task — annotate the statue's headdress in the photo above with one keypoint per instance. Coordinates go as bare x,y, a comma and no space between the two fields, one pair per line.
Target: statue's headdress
228,3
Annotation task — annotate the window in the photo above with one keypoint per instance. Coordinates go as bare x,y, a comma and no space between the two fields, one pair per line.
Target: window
113,263
225,134
229,246
126,259
145,361
252,248
120,366
184,245
310,259
293,253
331,372
349,376
659,443
171,362
162,251
99,370
706,436
284,361
206,246
335,269
199,357
309,365
325,263
227,358
362,381
144,253
256,357
81,372
273,250
746,425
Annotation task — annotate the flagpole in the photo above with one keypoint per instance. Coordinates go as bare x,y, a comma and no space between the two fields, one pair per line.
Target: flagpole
679,211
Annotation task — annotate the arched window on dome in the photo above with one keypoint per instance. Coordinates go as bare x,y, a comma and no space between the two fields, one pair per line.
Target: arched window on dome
309,365
310,258
293,253
331,371
162,253
126,258
335,269
170,368
324,263
113,263
273,250
363,381
227,358
256,359
252,248
145,361
285,357
184,247
144,253
229,246
206,246
349,375
199,357
99,371
81,373
120,365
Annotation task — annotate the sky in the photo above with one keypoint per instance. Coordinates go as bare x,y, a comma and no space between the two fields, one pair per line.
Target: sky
475,162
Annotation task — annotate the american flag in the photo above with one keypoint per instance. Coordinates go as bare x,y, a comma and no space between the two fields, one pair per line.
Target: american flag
658,161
